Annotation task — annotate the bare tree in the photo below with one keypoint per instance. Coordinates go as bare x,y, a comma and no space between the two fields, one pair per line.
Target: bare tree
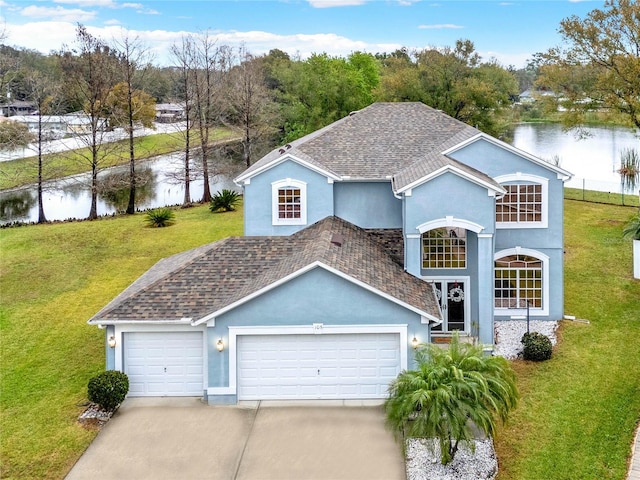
133,107
43,92
251,107
212,63
91,70
183,54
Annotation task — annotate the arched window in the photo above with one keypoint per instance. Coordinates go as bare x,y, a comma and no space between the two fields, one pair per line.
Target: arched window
520,278
444,247
289,202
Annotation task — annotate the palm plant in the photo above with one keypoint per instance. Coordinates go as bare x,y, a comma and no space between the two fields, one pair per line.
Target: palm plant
224,201
160,217
452,394
632,229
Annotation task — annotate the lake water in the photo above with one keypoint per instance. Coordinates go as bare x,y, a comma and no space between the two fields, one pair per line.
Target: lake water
160,184
593,161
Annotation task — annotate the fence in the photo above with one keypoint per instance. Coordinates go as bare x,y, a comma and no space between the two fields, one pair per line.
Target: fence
601,192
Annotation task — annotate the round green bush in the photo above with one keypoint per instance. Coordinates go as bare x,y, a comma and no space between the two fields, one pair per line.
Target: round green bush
537,347
108,389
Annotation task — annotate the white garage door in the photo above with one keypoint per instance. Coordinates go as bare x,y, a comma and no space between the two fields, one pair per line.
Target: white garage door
164,363
346,366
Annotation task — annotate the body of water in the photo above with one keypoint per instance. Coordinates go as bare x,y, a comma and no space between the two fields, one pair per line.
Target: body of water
593,160
160,184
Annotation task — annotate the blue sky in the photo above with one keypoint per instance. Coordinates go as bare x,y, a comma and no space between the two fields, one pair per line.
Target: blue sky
509,31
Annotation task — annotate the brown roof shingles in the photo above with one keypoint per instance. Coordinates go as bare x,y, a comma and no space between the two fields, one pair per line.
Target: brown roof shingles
202,281
377,142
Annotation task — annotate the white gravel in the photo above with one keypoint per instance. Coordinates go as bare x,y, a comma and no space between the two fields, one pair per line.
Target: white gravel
423,461
509,333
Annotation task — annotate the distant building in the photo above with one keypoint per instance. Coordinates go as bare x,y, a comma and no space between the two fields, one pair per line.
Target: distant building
169,112
58,126
17,107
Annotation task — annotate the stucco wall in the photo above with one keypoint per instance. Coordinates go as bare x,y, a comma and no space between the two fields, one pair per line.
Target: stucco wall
367,204
258,203
318,296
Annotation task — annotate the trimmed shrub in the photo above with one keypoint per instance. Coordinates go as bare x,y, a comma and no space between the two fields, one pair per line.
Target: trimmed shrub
224,201
108,389
537,347
160,217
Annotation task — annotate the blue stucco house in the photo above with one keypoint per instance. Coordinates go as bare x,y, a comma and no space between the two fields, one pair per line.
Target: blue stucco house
393,226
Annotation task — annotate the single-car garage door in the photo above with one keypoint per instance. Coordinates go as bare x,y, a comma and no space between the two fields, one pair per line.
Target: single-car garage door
327,366
164,363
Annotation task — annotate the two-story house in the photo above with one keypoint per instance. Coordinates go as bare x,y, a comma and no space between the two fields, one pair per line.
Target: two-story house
393,226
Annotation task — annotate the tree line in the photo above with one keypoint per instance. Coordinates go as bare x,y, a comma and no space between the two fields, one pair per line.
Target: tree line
274,98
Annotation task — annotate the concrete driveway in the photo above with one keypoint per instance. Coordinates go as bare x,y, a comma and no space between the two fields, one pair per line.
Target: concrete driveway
185,439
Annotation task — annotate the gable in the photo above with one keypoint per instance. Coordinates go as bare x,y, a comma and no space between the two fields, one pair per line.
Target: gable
283,158
435,166
496,158
319,294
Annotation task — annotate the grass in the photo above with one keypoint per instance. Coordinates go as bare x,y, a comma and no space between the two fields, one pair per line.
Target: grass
575,420
579,410
54,277
629,199
23,171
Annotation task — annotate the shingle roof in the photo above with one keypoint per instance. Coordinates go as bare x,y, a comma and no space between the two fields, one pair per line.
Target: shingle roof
204,280
377,142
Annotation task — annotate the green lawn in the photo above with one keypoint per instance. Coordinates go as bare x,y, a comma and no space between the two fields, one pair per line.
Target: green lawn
577,412
53,278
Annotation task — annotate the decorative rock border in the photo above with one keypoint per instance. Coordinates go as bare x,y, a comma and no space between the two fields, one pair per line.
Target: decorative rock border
509,333
94,417
423,461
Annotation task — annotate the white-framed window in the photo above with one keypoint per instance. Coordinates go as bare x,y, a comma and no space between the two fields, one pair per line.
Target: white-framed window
525,203
289,202
521,279
444,247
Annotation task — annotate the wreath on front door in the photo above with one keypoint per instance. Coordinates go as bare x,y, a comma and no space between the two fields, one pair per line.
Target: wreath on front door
456,294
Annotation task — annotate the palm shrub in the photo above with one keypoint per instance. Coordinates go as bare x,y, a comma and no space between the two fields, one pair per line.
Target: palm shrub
632,229
160,217
224,201
108,389
453,393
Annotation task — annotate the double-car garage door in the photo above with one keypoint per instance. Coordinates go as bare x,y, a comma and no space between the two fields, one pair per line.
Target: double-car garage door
268,367
327,366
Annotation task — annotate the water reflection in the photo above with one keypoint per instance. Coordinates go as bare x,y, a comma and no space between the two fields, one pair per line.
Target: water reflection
114,188
16,205
160,182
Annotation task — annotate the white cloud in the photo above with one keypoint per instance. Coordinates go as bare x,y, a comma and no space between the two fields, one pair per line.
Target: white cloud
89,3
335,3
58,13
53,35
518,60
440,26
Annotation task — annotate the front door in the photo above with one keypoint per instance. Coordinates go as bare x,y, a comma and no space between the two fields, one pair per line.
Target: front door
452,294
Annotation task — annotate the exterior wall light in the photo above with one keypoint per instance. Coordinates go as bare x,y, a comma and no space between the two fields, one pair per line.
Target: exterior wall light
112,342
220,345
414,342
